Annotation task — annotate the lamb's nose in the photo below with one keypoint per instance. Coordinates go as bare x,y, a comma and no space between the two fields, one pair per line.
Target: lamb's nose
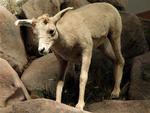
41,51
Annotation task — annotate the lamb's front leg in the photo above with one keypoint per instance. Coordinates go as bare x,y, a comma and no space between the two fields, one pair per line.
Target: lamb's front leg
86,61
60,84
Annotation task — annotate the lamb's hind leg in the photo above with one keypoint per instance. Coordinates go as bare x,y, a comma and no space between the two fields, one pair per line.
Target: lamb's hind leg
115,41
107,49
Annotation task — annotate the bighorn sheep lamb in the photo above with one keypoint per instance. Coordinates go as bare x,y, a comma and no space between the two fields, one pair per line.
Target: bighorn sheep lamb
72,34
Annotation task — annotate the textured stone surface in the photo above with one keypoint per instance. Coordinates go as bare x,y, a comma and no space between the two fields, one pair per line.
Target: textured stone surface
120,107
9,92
40,106
72,3
35,8
146,27
119,4
12,6
140,78
133,41
42,74
11,45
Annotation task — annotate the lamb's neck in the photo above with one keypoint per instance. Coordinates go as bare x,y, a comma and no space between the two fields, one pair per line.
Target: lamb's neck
59,44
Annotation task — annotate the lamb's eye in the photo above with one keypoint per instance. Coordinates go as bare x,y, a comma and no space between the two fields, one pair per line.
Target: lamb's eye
51,32
45,22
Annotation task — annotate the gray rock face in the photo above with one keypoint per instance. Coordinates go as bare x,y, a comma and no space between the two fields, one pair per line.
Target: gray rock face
120,107
119,4
72,3
40,106
9,92
146,26
11,45
42,74
61,4
13,6
35,8
133,41
140,78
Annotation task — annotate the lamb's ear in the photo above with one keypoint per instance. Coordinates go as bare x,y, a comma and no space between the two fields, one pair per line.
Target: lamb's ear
59,14
25,22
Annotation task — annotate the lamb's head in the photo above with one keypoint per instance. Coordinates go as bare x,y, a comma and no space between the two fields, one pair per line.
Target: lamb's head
44,27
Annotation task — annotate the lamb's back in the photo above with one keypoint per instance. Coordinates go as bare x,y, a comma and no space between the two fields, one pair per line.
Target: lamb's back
97,17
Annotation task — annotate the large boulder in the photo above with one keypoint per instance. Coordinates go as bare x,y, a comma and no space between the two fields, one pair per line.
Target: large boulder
132,39
135,106
119,4
140,78
42,74
14,6
35,8
11,45
146,27
61,4
69,3
40,106
9,93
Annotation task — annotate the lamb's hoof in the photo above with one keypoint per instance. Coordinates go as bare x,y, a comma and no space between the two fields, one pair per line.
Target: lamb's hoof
115,95
28,98
80,106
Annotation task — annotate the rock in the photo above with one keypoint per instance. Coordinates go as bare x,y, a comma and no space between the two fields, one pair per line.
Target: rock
140,78
133,41
146,26
14,6
119,4
9,93
40,106
11,45
42,74
35,8
135,106
70,3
